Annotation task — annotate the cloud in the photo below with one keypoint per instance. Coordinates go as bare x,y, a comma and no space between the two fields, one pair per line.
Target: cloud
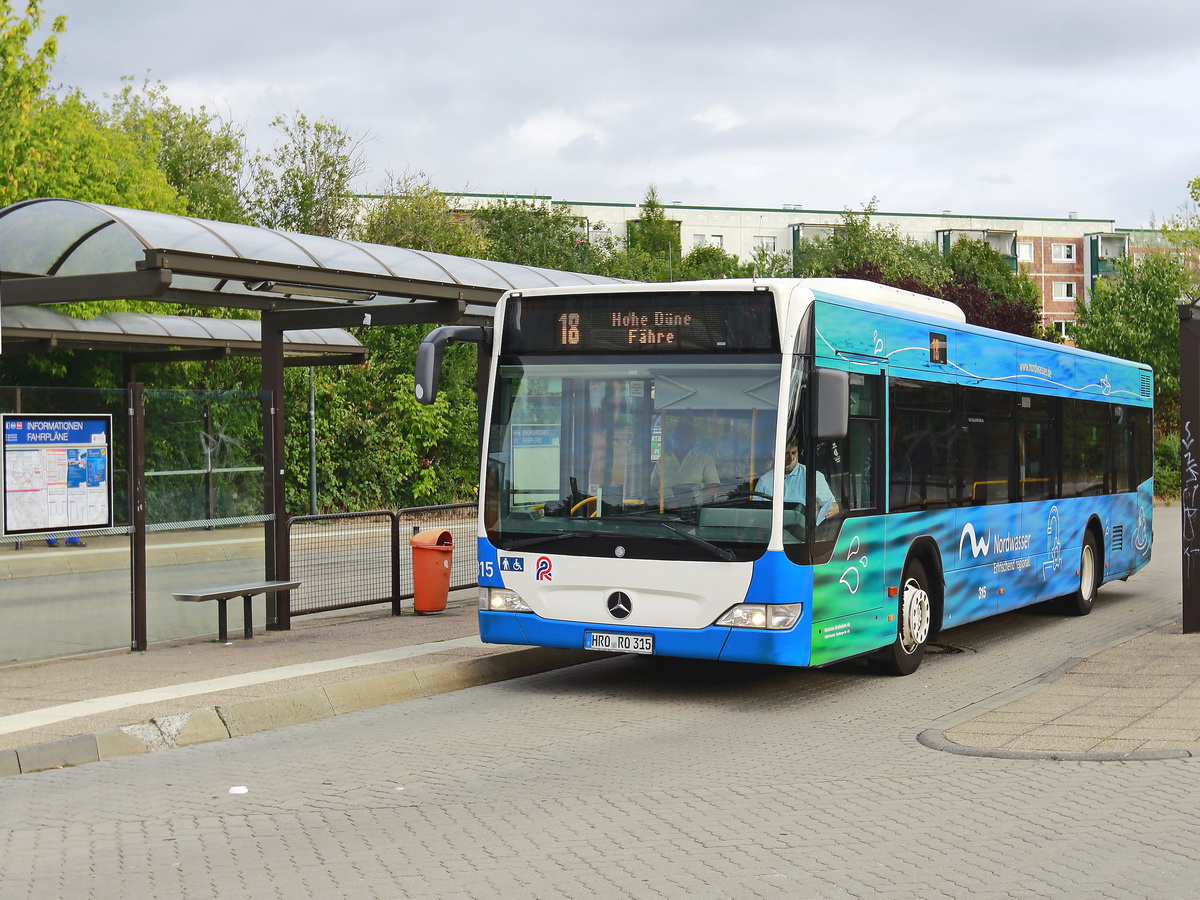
1024,108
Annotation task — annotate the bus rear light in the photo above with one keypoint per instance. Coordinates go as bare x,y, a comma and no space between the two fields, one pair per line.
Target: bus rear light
501,600
773,616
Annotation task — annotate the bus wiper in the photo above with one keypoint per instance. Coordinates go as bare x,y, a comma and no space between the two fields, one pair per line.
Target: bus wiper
636,517
722,553
545,539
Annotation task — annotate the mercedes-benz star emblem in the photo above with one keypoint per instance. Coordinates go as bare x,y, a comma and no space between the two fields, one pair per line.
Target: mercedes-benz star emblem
619,552
619,605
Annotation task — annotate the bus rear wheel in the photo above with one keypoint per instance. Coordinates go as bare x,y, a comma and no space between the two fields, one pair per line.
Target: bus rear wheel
1079,602
904,655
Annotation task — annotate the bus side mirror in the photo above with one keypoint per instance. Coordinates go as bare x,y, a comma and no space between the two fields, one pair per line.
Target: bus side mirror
428,369
833,405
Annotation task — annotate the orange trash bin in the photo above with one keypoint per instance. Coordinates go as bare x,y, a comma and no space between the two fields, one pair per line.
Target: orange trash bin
432,554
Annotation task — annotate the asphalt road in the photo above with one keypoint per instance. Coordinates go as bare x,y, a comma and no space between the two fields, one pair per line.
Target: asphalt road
642,778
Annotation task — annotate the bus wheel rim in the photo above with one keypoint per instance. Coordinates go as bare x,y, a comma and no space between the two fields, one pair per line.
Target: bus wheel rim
1087,572
914,625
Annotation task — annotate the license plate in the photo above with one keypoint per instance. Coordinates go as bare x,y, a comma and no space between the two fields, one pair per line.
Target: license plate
618,643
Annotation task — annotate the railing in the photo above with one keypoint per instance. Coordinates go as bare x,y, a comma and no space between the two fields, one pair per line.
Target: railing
344,560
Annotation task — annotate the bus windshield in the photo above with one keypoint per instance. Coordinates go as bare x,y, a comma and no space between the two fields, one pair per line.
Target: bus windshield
633,455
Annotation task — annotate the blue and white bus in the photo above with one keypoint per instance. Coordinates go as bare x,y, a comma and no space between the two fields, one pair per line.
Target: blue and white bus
939,472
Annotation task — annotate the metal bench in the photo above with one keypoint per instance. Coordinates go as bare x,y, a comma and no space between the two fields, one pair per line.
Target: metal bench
245,591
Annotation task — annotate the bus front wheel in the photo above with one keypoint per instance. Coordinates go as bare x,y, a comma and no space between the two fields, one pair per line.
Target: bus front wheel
1079,602
904,655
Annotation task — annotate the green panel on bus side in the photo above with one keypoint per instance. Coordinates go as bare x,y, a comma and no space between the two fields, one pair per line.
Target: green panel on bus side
850,636
850,606
843,330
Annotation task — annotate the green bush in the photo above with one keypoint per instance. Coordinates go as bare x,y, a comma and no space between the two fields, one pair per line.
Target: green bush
1167,466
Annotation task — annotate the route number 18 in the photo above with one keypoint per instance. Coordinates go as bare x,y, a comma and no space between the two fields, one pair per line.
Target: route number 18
568,330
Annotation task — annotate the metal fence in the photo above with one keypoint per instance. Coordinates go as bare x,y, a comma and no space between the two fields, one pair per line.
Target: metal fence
344,560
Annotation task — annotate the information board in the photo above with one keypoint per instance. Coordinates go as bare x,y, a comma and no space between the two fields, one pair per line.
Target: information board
57,473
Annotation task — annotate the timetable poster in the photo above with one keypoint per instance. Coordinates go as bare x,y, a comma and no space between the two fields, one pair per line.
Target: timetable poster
57,473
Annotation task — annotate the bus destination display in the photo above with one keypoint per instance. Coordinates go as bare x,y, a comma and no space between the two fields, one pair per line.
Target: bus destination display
638,323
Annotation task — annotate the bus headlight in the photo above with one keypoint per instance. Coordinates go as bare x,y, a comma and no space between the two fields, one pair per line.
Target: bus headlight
501,600
775,616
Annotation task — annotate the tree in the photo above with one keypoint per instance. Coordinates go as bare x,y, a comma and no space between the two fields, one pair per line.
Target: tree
305,184
202,157
410,212
64,146
653,232
415,454
82,157
24,75
711,262
636,264
384,449
972,274
1132,315
856,249
767,263
1183,231
990,293
536,234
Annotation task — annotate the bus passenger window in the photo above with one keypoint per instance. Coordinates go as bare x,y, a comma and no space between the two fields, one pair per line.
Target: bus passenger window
1038,448
1087,426
925,440
991,430
1122,440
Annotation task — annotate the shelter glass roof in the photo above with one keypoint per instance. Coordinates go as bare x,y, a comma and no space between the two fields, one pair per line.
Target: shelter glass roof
129,330
51,237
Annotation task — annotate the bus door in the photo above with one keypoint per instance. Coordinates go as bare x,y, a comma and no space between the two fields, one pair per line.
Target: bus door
607,440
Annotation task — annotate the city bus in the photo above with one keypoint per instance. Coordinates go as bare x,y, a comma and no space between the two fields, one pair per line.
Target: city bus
935,472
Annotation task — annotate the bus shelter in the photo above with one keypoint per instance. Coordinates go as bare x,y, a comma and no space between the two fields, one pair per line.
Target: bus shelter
304,290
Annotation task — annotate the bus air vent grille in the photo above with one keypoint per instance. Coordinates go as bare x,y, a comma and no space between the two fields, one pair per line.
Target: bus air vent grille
1118,537
1146,388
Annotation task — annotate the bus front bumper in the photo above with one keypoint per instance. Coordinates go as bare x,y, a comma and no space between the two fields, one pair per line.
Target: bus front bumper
789,647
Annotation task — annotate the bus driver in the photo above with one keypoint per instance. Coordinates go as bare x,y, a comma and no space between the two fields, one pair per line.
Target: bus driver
794,480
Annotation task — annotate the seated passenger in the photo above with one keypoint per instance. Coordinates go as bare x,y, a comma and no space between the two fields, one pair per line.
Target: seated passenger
683,464
794,481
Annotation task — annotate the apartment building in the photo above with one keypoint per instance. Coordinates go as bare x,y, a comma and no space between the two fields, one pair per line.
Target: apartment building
1064,256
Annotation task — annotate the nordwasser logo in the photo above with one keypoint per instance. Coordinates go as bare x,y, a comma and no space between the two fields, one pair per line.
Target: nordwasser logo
989,543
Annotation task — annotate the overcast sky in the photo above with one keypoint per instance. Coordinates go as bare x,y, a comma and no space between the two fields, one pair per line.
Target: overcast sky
1021,108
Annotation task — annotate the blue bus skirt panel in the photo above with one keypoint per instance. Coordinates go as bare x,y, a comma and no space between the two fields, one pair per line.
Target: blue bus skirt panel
775,580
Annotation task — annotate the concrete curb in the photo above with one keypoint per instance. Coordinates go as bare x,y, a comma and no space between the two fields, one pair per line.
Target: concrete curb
935,740
263,713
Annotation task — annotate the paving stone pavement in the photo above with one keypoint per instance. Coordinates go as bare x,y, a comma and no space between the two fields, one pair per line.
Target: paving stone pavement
663,778
1137,700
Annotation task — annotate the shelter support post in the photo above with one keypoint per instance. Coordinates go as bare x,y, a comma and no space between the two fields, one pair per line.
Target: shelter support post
276,546
137,514
1189,433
